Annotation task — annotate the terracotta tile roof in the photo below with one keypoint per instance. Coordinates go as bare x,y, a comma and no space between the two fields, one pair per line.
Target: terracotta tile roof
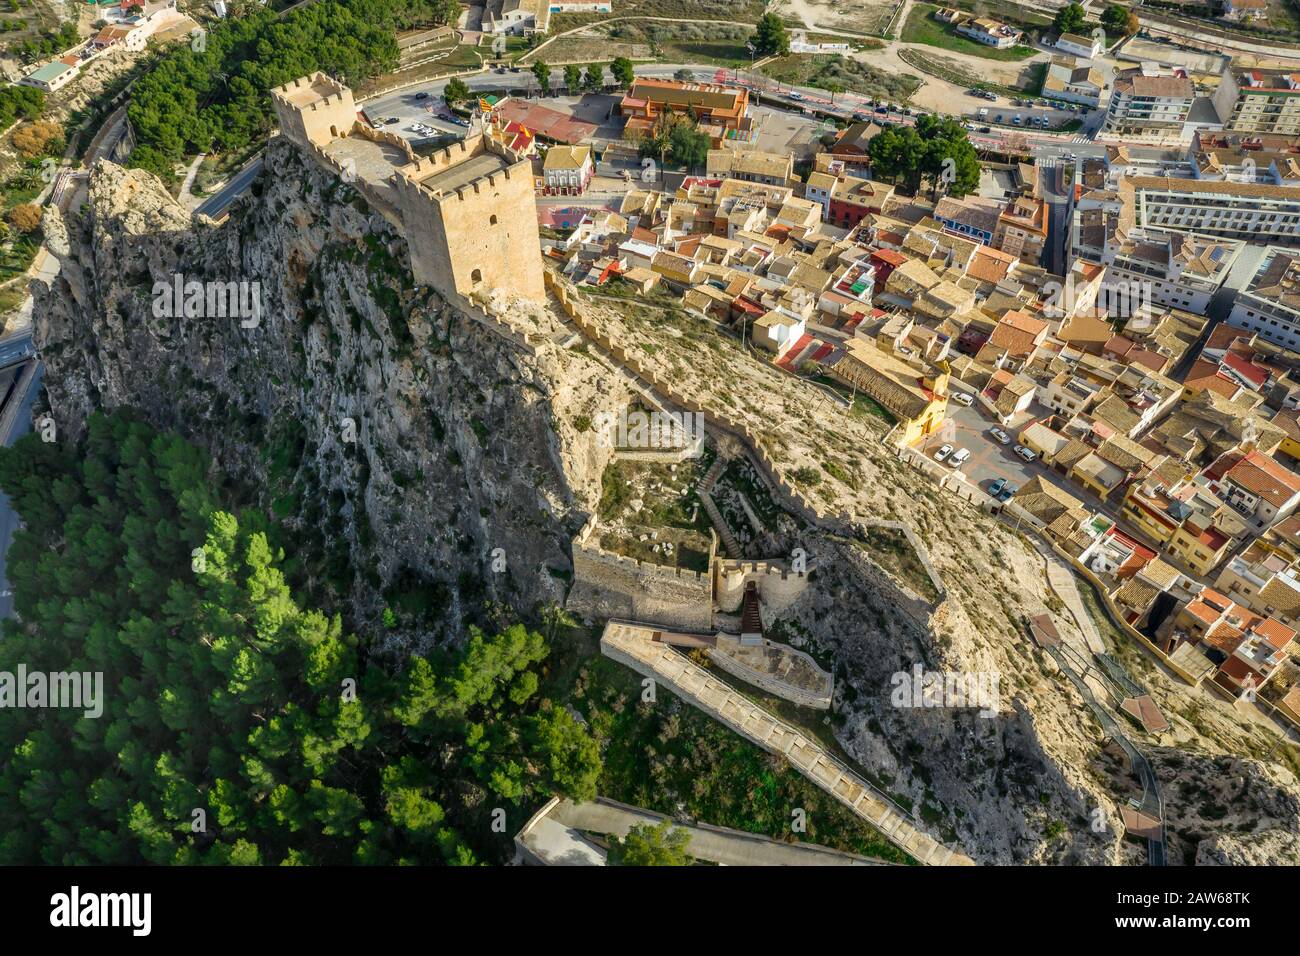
1262,476
1204,375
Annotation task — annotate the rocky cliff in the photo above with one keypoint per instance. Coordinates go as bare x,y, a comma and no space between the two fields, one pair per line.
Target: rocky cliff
411,443
411,440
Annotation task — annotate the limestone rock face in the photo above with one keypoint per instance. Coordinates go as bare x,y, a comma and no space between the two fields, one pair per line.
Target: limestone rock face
428,441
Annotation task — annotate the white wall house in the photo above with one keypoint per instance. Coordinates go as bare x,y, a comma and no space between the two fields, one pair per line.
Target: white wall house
1080,46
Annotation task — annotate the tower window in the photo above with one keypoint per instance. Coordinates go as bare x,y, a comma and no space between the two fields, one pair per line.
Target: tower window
477,275
492,221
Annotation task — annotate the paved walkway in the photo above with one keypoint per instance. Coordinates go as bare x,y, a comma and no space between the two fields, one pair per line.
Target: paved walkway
632,645
716,844
1061,577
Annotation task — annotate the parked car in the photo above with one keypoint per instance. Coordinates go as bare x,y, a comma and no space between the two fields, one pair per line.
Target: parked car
1006,493
943,453
986,129
1002,437
997,486
422,95
959,458
965,398
1016,120
1025,453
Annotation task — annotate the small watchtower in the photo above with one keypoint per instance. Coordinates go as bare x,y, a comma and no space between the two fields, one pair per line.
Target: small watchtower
314,110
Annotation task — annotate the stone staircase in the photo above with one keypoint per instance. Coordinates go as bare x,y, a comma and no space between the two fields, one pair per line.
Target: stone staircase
706,486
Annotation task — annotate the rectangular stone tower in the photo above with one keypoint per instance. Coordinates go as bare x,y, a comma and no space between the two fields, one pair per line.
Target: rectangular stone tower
471,220
314,109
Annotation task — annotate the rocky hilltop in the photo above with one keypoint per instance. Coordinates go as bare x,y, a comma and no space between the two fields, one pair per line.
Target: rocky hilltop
416,442
427,441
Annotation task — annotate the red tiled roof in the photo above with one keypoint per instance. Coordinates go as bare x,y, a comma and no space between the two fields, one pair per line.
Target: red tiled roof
1247,369
1262,476
890,256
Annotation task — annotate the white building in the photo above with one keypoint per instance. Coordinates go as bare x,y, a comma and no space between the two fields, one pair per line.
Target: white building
1270,303
520,17
1255,212
990,32
1169,269
1080,46
1074,81
51,76
1151,104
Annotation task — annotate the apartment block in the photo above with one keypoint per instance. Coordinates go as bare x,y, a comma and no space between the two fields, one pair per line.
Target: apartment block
1152,104
1259,101
1254,212
1270,303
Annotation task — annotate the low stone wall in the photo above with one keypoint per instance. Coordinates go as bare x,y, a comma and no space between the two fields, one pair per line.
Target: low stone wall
608,585
383,136
900,597
773,685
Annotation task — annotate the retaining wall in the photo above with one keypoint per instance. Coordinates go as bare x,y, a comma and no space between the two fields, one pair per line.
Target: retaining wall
608,585
774,685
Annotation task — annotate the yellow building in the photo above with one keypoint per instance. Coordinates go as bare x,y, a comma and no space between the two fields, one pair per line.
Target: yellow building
916,396
1199,544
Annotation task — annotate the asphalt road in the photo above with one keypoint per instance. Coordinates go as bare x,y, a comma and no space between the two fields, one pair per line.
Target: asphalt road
220,201
9,521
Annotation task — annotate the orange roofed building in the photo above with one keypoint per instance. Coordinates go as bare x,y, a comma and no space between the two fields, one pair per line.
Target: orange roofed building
1245,647
720,106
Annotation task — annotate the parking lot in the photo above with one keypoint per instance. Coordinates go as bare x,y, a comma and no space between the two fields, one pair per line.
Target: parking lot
989,460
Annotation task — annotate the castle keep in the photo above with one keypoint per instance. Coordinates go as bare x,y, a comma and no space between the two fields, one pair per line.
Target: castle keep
466,211
470,221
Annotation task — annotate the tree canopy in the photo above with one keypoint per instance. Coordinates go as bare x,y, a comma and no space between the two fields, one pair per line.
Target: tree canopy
238,726
770,38
1069,19
645,845
676,140
217,98
935,149
622,69
1120,19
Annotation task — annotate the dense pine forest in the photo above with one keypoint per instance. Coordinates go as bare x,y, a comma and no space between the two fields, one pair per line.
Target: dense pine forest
239,726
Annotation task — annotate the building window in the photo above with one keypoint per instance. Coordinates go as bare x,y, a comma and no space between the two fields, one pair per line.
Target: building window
476,276
492,221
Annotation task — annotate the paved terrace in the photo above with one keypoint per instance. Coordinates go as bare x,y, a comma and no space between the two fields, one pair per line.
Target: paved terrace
555,836
634,646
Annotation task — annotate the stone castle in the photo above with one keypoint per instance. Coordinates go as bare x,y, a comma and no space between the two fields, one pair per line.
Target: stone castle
459,209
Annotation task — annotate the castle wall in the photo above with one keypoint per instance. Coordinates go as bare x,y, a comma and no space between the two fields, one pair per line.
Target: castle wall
607,585
818,700
778,586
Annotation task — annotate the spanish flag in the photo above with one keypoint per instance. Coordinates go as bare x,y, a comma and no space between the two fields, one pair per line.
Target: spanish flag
484,105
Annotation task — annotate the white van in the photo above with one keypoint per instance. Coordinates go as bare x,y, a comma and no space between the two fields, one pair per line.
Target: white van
959,457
